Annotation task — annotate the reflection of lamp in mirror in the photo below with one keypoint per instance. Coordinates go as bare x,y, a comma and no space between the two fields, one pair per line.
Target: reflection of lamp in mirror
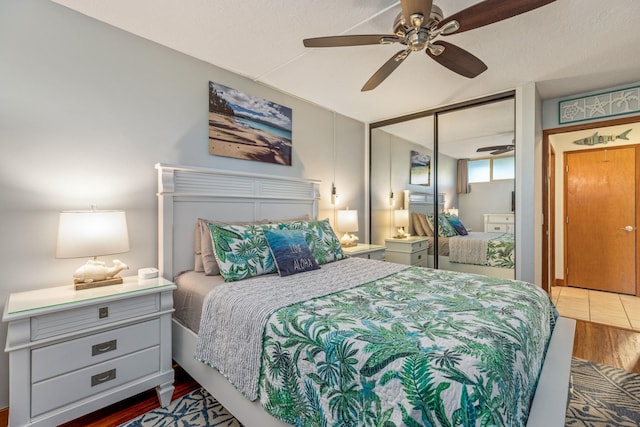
347,223
401,222
90,234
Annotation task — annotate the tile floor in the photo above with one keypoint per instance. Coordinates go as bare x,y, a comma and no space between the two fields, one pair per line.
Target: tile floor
607,308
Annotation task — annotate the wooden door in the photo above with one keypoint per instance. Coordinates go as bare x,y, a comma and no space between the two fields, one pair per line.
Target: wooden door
600,201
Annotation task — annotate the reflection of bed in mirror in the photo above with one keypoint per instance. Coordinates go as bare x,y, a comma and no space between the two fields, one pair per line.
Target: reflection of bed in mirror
487,253
186,194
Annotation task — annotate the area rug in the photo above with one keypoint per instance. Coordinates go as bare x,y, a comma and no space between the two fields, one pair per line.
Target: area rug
601,396
196,409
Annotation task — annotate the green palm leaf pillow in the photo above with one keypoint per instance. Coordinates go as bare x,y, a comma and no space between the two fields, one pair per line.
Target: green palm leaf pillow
444,227
242,250
322,240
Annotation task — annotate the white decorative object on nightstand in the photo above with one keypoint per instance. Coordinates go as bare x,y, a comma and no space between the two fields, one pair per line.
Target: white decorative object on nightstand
365,251
73,352
499,223
410,251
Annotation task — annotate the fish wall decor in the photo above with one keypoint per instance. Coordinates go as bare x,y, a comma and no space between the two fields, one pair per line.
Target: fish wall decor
601,139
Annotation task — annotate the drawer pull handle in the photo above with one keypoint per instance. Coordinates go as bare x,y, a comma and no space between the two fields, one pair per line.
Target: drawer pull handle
98,379
104,347
103,312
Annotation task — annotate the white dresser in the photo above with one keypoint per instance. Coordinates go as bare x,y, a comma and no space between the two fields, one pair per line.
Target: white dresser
411,251
503,223
365,251
73,352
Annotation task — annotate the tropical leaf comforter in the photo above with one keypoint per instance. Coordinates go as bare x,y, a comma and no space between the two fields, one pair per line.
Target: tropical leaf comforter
495,250
418,347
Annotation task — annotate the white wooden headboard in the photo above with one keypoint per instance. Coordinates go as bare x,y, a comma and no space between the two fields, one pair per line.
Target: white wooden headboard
421,202
188,193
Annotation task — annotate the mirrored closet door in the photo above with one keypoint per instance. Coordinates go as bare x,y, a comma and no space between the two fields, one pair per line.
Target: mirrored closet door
442,187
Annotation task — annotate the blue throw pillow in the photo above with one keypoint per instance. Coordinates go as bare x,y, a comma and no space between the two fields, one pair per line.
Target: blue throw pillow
290,251
457,225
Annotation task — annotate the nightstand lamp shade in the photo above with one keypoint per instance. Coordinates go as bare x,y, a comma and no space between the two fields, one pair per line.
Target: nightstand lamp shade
90,234
347,223
401,222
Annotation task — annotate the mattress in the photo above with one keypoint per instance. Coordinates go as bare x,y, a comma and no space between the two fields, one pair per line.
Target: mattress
192,289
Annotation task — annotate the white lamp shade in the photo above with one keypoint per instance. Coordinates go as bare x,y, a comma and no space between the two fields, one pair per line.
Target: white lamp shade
92,233
401,218
347,221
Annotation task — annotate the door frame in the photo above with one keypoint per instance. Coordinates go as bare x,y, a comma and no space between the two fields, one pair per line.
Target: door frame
548,193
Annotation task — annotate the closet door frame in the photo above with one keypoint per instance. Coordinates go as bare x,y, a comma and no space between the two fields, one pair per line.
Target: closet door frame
434,162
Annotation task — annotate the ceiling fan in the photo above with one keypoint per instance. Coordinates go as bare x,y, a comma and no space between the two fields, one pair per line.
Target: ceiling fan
497,149
418,26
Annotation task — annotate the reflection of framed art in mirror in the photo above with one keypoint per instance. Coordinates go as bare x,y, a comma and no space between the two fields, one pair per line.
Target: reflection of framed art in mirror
420,170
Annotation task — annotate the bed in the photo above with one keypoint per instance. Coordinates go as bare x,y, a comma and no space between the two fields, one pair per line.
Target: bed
186,194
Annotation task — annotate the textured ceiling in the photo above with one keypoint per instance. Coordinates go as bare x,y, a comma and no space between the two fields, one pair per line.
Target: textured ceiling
566,47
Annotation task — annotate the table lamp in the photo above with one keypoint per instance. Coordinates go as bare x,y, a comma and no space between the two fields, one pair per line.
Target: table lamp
401,222
93,233
347,223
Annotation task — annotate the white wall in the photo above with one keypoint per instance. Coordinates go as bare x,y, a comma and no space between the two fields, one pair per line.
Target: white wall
86,110
528,210
484,198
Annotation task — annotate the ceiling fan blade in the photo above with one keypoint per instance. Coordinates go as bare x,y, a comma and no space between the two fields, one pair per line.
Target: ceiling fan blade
504,150
409,7
490,11
384,71
357,40
494,147
458,60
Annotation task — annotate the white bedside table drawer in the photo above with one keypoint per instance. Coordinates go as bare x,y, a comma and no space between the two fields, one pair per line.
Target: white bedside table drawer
72,387
407,245
419,258
49,325
508,218
497,228
364,250
79,353
377,255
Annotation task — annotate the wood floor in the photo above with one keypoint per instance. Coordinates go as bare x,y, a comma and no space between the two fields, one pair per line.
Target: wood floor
603,344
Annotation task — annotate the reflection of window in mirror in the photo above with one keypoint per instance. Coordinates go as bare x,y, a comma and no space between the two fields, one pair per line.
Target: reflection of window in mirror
487,170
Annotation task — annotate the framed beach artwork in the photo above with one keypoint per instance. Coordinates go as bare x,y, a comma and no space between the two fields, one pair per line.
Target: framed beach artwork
420,171
247,127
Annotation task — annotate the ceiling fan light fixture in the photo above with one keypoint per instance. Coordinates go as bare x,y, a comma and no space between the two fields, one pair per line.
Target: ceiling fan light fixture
449,28
417,19
402,55
435,49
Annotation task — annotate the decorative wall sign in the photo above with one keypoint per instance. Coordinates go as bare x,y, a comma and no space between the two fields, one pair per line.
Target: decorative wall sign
600,105
246,127
420,169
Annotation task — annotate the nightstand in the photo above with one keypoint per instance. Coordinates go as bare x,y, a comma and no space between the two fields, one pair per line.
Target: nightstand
73,352
410,251
500,223
365,251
